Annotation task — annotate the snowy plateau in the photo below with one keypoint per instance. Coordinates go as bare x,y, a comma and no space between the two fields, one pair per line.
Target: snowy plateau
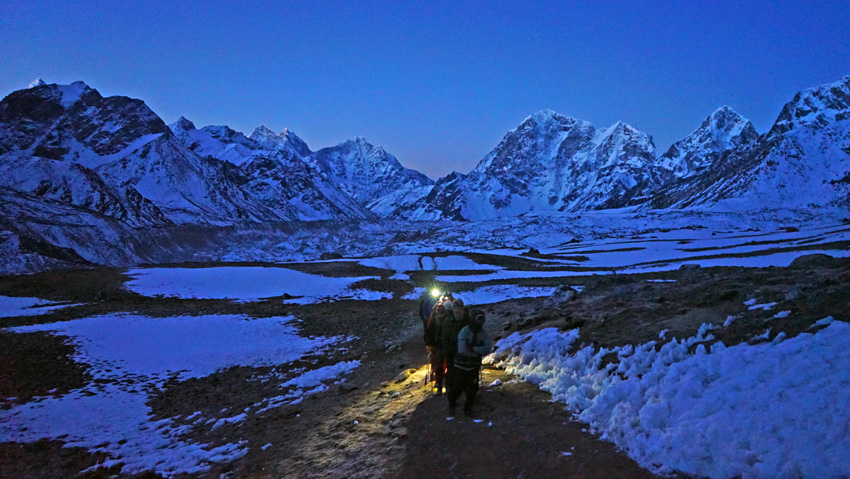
180,302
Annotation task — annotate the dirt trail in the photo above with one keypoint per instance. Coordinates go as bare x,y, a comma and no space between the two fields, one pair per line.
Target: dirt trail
400,430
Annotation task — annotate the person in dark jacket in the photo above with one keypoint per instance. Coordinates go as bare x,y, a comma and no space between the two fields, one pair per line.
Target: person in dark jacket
457,320
473,343
434,344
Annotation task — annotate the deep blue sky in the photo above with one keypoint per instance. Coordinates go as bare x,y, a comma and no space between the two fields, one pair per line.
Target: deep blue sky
439,83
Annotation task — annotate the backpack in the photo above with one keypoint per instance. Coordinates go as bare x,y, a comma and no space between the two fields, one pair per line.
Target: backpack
451,329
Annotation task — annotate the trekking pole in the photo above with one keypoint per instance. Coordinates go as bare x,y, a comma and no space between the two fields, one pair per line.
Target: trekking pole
430,361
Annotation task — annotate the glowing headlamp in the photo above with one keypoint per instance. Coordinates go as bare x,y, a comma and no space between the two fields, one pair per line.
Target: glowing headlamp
435,293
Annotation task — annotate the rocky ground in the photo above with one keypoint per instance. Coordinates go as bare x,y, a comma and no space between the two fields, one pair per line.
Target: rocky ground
383,422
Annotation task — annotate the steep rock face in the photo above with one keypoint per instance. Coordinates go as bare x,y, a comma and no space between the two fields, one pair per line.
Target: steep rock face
815,108
270,169
364,171
549,163
285,141
723,130
115,157
802,162
54,137
75,123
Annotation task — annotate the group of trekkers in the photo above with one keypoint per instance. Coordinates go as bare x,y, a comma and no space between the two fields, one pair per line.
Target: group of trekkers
455,341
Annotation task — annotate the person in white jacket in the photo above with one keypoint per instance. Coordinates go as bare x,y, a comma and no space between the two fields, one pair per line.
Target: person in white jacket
473,343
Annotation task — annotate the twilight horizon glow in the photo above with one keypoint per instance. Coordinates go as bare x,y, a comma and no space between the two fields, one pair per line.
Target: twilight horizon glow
436,85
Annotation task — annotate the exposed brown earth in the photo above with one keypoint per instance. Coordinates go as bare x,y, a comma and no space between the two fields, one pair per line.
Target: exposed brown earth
382,422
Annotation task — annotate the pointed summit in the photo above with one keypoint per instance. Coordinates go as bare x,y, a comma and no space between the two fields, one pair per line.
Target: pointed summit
721,131
286,141
297,144
36,82
547,117
181,125
365,171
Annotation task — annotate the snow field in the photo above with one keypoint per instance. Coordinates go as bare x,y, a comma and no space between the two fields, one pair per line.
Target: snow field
243,283
772,410
134,356
15,306
673,247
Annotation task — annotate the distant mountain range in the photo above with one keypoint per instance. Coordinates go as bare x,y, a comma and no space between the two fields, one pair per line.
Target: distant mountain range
66,148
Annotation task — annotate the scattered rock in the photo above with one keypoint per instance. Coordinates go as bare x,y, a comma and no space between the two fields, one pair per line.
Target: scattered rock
347,387
688,267
404,375
794,294
790,229
561,295
326,256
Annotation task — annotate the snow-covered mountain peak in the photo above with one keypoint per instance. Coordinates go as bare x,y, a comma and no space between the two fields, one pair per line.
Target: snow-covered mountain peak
721,131
815,107
295,141
625,135
545,119
65,95
286,141
225,133
266,138
365,171
620,127
71,93
36,82
181,125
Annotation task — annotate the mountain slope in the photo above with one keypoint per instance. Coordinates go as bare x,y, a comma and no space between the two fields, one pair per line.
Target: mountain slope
270,169
364,171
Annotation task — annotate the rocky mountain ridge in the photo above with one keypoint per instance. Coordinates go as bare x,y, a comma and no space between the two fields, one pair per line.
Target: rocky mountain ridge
112,162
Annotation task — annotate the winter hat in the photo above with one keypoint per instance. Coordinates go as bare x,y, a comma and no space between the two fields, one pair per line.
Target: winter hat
448,305
478,316
458,303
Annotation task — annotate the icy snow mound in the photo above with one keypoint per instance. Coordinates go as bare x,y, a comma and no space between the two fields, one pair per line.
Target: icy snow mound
774,410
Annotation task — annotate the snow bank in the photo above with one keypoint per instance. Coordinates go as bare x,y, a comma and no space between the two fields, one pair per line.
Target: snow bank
132,357
773,410
235,282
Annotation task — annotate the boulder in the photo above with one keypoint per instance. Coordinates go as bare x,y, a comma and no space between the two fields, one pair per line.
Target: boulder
812,261
561,295
793,294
